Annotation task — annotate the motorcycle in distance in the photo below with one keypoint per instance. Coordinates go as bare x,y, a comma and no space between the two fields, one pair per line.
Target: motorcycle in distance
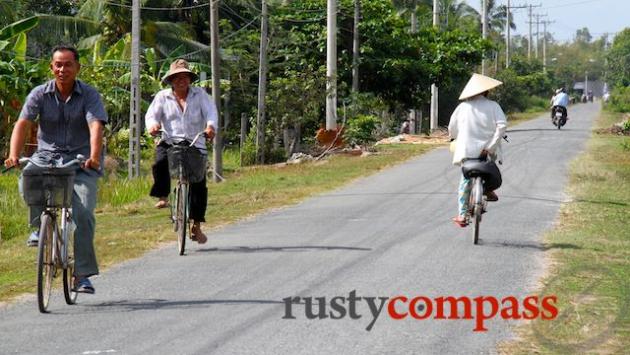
559,116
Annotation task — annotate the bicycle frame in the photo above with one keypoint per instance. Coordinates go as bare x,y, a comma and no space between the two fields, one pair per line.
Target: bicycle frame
57,247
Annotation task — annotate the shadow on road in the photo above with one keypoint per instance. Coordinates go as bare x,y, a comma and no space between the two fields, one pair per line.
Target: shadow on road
153,304
528,245
545,129
299,248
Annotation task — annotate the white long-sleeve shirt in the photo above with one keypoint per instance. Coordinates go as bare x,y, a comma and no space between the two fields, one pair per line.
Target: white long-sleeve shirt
199,113
477,124
561,99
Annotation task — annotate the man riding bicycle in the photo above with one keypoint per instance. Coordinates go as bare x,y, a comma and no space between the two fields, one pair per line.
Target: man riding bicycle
71,121
181,111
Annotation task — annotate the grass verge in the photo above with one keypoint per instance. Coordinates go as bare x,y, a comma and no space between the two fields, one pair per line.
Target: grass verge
590,258
128,225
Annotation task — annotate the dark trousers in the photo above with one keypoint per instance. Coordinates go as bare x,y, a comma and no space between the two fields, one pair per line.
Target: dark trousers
162,185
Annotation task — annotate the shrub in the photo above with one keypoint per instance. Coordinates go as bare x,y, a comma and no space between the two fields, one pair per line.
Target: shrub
361,130
619,100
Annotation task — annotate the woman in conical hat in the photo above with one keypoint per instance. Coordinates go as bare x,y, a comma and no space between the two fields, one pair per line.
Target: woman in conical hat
477,125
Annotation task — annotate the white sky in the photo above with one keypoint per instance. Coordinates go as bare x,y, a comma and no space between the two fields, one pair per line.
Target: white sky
599,16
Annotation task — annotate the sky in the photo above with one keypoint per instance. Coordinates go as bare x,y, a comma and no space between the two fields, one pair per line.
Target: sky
599,16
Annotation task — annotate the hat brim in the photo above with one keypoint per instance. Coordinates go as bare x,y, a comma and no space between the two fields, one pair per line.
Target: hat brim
478,84
167,78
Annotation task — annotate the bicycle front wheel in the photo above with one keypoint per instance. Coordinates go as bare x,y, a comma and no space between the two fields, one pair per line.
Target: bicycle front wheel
68,272
477,199
45,262
182,217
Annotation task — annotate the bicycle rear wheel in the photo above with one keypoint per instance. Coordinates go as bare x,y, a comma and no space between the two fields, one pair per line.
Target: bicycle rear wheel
182,217
477,199
68,272
45,262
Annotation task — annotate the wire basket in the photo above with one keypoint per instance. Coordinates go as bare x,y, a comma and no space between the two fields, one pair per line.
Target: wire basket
192,161
48,187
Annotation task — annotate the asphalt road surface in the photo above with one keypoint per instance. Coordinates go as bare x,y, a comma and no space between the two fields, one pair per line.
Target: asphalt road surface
383,236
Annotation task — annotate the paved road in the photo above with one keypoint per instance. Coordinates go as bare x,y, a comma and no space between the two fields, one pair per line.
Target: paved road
382,236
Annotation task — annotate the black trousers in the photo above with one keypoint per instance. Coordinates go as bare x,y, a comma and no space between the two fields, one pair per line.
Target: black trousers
162,185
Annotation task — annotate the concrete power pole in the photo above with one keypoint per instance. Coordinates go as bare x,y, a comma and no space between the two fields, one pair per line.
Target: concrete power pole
507,31
414,17
529,39
356,46
215,57
331,67
484,31
507,35
434,88
530,22
262,87
537,33
135,110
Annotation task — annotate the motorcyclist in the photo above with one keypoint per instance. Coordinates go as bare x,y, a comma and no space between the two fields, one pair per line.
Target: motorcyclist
559,101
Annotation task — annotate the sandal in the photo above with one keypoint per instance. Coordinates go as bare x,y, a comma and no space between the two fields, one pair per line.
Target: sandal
460,221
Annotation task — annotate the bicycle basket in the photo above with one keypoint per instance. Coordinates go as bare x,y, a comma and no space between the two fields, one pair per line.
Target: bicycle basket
48,187
488,170
192,161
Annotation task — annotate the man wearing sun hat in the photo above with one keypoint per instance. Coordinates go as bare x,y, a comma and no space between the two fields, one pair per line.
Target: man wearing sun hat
181,111
477,124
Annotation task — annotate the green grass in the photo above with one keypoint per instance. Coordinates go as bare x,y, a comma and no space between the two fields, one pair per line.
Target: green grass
590,258
128,225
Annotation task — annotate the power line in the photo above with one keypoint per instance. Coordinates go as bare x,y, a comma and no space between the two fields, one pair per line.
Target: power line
162,8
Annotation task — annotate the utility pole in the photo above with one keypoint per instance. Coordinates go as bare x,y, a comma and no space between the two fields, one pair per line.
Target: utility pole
331,67
545,23
215,56
356,46
135,110
414,17
484,31
529,39
434,88
507,31
530,22
538,16
262,86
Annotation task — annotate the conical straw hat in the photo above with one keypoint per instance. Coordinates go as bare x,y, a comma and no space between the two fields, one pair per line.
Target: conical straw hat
477,84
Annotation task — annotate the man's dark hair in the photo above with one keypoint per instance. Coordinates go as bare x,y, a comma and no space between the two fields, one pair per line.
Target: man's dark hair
63,47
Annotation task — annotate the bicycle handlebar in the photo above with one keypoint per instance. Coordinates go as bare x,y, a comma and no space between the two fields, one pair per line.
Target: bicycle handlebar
80,159
168,136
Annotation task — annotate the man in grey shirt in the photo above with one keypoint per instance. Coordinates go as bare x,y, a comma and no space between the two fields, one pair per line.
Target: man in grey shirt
71,120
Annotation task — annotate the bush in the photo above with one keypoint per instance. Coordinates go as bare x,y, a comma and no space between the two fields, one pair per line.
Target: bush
511,95
619,100
361,129
118,145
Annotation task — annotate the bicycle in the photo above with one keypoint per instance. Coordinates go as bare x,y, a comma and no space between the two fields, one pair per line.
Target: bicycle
51,186
187,165
483,175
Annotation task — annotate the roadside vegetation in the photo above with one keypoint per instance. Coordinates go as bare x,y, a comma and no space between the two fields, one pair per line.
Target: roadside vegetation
590,255
128,225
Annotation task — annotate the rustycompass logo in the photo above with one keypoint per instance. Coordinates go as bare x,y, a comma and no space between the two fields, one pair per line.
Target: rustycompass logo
478,309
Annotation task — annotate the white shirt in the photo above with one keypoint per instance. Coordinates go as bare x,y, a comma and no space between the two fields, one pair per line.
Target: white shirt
561,99
477,124
199,113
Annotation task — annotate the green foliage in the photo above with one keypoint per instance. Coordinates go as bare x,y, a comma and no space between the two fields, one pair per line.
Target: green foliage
511,95
118,145
619,100
619,60
361,130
